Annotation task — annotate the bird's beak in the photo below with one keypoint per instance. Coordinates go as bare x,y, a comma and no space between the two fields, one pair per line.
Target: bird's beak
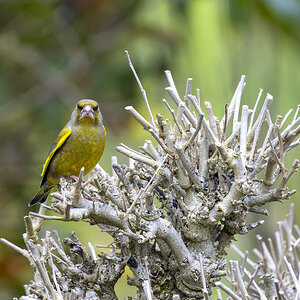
87,112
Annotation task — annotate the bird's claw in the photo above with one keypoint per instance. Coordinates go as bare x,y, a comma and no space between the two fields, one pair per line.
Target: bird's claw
88,197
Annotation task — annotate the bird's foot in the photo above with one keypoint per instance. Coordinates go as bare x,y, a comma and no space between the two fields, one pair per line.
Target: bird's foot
87,196
73,177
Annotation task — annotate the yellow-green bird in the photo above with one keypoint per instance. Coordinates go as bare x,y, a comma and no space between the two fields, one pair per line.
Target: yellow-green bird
80,144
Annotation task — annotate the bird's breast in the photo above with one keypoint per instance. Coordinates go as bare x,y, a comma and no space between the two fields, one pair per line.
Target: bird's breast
83,148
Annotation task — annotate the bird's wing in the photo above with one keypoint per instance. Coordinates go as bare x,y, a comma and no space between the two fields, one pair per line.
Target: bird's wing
60,140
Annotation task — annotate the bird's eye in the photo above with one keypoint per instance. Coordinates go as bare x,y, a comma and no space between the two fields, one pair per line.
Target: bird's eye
95,107
79,107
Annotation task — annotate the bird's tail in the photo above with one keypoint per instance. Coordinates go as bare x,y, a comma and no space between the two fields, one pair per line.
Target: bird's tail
41,195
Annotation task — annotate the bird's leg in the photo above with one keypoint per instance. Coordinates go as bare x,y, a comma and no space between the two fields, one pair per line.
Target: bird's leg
87,196
76,179
84,194
73,177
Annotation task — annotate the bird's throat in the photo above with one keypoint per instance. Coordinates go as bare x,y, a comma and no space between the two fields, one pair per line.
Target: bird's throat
87,121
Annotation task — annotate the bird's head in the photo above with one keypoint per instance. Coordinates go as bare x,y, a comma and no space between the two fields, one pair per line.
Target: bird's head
87,112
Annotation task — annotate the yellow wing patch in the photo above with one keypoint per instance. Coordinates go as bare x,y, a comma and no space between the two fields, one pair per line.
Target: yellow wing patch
62,137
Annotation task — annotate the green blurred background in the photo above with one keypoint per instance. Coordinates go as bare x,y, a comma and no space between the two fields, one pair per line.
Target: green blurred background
53,53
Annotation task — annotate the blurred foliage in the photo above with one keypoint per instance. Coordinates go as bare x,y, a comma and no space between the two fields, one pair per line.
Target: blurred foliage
53,53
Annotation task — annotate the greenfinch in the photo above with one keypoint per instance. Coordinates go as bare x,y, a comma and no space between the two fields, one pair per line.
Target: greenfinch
80,144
